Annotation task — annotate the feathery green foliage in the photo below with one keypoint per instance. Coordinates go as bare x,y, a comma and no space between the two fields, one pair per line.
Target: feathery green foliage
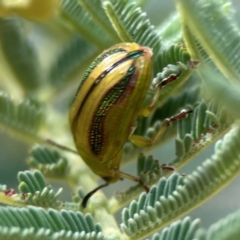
79,19
50,162
69,59
225,229
20,54
184,229
22,118
33,222
176,195
196,50
35,191
131,23
170,30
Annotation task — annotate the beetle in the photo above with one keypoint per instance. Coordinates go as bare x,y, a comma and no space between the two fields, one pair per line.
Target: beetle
107,104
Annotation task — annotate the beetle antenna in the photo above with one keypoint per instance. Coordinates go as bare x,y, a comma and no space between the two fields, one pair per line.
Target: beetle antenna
86,198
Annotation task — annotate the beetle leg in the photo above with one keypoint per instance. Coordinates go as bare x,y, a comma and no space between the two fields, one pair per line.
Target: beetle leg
55,144
148,109
145,112
135,179
133,128
169,79
144,142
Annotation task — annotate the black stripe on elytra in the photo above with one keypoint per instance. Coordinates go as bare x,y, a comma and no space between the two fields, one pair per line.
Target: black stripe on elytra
110,98
98,60
131,55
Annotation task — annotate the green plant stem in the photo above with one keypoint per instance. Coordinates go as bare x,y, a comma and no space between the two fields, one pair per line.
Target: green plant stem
193,16
96,18
121,31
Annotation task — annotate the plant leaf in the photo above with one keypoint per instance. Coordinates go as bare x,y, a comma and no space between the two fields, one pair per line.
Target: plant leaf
50,162
176,196
20,54
131,24
225,229
74,54
38,223
182,229
213,25
22,119
73,13
35,191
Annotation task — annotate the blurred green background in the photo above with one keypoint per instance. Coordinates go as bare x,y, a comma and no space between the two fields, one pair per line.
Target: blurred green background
13,152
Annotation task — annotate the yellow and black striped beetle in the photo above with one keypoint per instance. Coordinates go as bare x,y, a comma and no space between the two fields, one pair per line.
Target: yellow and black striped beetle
108,102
